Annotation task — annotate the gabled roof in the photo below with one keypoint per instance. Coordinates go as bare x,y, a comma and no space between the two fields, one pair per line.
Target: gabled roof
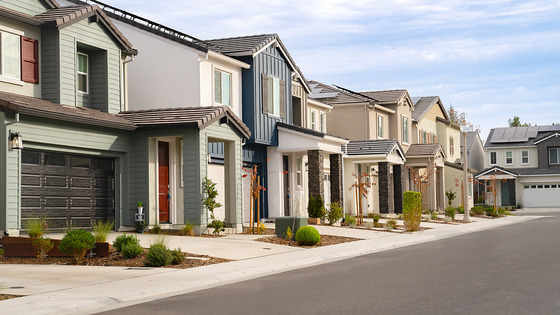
546,137
495,171
424,150
519,136
62,17
252,45
200,117
423,104
387,96
26,105
471,136
374,147
50,4
332,95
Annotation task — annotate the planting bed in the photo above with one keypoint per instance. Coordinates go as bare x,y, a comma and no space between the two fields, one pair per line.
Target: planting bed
325,240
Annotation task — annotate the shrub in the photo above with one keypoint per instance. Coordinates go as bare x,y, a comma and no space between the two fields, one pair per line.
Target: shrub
123,240
158,255
36,226
261,228
218,226
77,243
101,229
450,197
308,235
376,217
412,210
477,210
460,210
211,193
289,234
42,246
1,252
156,229
391,224
501,211
131,250
187,229
433,215
507,212
350,220
489,211
177,256
334,213
316,207
450,212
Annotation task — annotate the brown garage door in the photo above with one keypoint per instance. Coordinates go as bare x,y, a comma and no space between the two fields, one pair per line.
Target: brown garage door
70,190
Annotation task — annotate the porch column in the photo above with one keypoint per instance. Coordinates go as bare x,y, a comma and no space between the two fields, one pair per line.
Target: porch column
383,187
315,173
336,179
398,188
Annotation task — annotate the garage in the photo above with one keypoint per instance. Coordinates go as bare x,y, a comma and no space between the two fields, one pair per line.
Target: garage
71,191
541,195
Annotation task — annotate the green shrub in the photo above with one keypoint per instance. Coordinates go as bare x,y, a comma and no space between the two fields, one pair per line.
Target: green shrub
36,226
77,243
507,212
450,212
42,246
123,240
450,197
391,224
489,211
316,207
376,217
477,210
433,215
308,235
1,252
334,213
131,250
188,230
101,229
156,229
177,256
412,210
460,210
350,220
158,255
218,226
501,211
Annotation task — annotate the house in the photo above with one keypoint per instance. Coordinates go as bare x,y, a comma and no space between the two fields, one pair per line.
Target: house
522,167
291,152
84,158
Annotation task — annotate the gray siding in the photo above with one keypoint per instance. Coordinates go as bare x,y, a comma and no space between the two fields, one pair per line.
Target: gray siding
543,152
194,169
31,7
50,75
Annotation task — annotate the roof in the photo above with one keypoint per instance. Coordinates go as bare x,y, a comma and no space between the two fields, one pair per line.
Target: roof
200,117
53,4
373,147
496,170
519,136
40,108
424,149
332,95
423,104
387,95
471,138
251,45
308,131
64,16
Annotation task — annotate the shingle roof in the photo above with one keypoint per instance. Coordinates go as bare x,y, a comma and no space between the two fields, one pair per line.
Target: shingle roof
372,147
40,108
306,130
471,137
332,95
424,149
422,105
518,136
199,117
387,95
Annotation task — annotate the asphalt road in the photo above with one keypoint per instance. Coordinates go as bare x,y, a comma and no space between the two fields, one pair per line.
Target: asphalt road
509,270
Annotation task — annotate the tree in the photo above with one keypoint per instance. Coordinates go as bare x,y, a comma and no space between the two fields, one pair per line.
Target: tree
455,116
516,122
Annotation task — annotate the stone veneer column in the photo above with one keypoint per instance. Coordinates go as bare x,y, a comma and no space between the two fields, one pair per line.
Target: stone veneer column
383,182
336,179
315,173
398,188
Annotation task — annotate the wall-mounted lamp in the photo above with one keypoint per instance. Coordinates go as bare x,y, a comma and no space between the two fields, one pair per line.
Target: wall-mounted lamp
16,142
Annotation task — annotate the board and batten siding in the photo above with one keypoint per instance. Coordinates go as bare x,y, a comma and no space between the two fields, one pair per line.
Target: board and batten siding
30,7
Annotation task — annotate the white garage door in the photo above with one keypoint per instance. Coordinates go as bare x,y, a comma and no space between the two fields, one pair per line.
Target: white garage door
541,195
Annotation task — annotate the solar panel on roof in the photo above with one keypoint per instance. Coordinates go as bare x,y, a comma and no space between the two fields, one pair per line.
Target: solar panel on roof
544,128
509,133
532,131
555,128
498,134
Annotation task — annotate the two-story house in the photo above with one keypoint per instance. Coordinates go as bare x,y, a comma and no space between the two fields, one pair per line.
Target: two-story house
522,166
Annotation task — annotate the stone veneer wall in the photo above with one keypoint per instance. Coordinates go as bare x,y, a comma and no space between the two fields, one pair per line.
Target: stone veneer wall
315,173
398,188
383,181
336,179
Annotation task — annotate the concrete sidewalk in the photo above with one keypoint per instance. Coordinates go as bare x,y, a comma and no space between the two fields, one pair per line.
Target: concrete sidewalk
52,289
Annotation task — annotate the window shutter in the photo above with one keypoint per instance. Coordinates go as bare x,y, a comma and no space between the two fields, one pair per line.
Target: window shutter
29,60
282,99
265,93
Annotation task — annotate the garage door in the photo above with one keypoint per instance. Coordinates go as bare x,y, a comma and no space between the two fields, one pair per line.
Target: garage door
541,195
70,190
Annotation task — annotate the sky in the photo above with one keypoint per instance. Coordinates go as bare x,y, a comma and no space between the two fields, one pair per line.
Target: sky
492,59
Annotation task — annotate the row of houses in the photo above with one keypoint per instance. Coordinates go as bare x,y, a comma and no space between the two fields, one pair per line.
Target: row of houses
113,108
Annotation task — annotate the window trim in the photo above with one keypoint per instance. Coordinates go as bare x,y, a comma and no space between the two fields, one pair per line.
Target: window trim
313,119
528,158
405,129
3,77
557,155
221,101
495,157
78,72
266,94
451,145
322,122
506,158
299,177
379,127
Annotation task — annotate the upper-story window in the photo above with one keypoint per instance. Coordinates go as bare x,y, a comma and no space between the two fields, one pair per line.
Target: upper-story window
222,87
405,130
323,122
451,146
380,126
524,157
313,119
298,171
493,158
553,155
274,98
509,157
19,57
11,62
83,73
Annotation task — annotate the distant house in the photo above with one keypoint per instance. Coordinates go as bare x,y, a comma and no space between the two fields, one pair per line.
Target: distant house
522,166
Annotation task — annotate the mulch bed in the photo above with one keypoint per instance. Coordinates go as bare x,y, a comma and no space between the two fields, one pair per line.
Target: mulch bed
265,232
325,241
114,259
8,296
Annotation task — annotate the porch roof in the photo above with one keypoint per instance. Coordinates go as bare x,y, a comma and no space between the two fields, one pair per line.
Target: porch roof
424,150
496,172
295,139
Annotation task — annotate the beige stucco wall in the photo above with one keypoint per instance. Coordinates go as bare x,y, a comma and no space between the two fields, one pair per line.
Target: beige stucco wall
343,116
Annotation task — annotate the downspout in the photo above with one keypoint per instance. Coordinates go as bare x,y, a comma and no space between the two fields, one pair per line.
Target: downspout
125,81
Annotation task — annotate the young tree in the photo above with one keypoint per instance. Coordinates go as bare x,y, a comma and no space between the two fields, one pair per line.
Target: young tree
455,116
362,184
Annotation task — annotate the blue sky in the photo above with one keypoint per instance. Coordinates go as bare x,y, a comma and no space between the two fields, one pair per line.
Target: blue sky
491,59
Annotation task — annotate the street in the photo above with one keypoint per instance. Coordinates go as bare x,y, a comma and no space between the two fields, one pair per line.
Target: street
513,269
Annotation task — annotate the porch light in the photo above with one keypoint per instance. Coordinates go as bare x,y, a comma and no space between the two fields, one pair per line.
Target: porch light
16,141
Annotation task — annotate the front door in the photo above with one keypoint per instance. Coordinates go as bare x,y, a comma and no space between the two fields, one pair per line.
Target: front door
286,178
163,176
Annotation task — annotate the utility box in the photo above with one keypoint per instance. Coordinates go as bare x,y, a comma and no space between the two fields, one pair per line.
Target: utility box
294,223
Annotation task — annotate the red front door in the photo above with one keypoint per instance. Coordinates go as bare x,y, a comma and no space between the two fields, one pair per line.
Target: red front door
163,174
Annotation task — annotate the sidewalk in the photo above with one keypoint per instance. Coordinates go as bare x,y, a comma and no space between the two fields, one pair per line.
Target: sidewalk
52,289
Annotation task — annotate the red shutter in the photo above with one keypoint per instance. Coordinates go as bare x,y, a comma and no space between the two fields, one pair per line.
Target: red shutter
29,60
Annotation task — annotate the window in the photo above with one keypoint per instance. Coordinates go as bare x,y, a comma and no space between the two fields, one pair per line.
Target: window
380,126
11,63
83,69
451,146
298,171
313,119
322,122
424,139
493,158
274,98
554,156
19,57
509,157
222,87
524,157
405,130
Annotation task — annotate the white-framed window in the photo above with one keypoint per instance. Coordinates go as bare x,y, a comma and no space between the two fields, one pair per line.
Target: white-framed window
380,127
524,157
10,54
323,122
298,172
554,156
493,158
274,98
83,73
451,146
509,157
222,87
313,119
405,130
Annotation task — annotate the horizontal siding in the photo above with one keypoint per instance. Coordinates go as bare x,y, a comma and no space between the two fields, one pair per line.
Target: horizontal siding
30,7
49,65
13,189
194,169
